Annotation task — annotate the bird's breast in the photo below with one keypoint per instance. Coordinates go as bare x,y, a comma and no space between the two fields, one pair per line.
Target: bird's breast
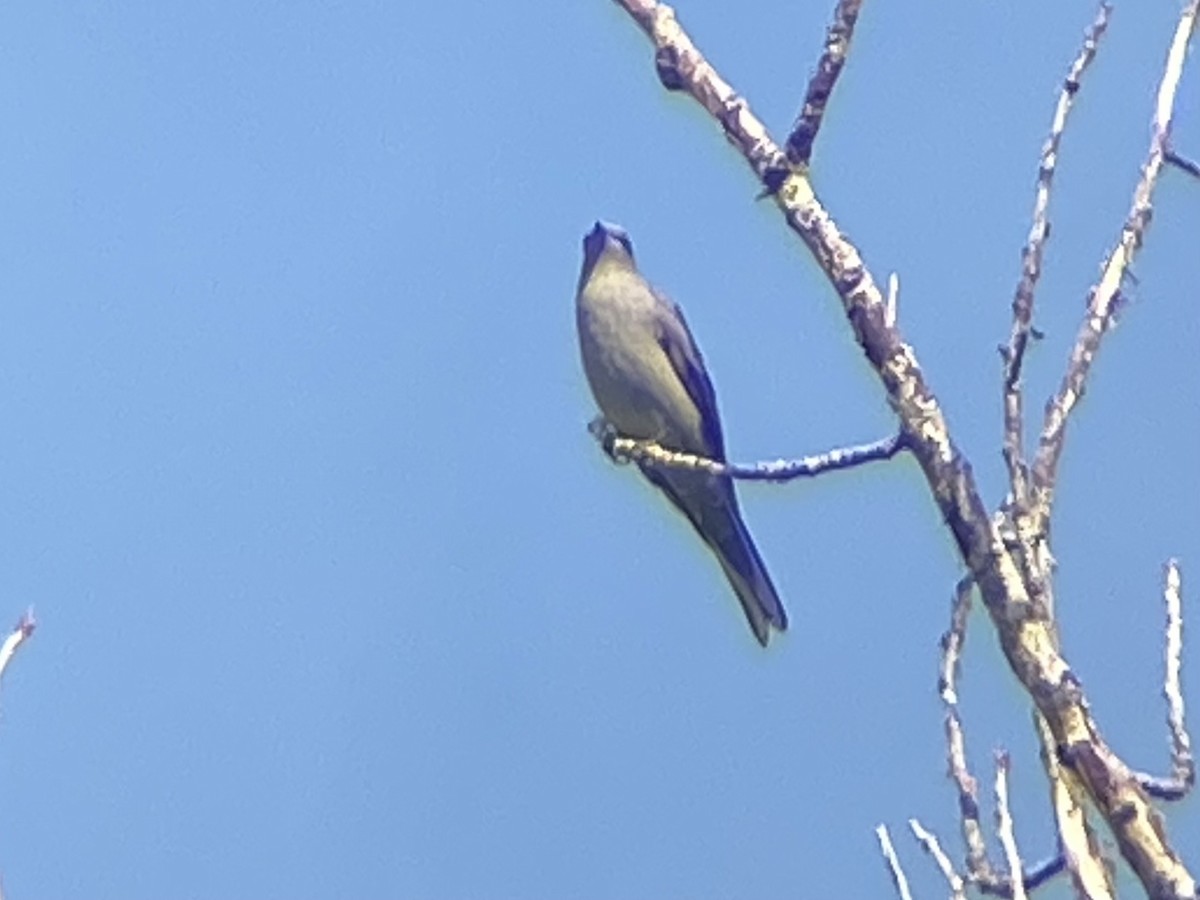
631,377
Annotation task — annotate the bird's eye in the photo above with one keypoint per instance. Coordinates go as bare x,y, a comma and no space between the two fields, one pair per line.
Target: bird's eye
624,241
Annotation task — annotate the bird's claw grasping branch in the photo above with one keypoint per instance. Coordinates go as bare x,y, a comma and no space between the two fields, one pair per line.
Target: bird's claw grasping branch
622,450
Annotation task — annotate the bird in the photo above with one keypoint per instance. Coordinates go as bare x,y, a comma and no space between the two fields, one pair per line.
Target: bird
649,380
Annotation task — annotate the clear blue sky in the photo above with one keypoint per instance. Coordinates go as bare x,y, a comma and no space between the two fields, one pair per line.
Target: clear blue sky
338,597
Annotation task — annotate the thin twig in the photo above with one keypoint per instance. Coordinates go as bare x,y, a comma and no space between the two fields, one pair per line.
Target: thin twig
893,862
1031,880
891,308
23,630
1183,766
1031,264
978,865
979,868
820,86
928,840
1104,297
1182,761
1004,828
1182,162
623,450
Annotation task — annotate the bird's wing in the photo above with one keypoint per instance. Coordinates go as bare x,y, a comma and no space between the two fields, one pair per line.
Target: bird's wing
680,347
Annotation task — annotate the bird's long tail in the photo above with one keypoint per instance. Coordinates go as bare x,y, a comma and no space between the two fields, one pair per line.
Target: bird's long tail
711,506
735,550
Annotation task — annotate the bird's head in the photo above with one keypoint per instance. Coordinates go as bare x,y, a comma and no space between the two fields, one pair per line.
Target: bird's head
606,241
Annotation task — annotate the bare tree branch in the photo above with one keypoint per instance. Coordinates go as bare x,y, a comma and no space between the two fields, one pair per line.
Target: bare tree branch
1104,297
1117,791
1031,264
1004,827
928,840
1024,627
1182,779
893,862
1182,162
953,641
947,471
623,449
1183,763
20,633
980,870
837,47
1080,850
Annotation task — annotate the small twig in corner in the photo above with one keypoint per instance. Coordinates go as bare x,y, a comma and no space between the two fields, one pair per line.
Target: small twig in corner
24,628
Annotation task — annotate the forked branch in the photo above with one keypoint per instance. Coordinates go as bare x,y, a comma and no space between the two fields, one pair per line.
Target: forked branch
1025,628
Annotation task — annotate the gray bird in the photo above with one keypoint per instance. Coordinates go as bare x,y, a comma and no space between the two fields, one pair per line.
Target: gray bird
648,378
